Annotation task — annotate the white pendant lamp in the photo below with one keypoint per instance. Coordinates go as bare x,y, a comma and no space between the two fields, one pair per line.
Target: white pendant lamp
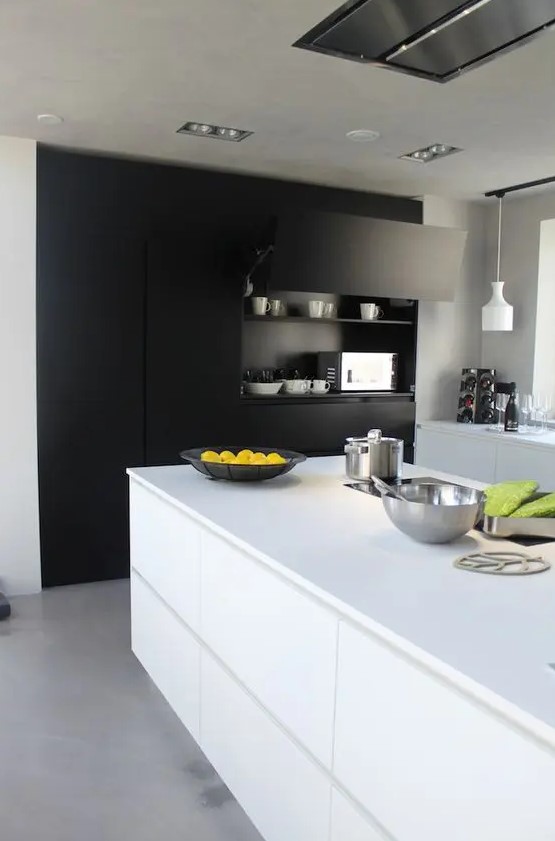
497,314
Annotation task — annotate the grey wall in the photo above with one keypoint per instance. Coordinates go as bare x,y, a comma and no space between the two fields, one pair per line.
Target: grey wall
450,333
513,353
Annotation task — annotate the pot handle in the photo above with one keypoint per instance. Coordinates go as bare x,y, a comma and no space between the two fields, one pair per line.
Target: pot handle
375,435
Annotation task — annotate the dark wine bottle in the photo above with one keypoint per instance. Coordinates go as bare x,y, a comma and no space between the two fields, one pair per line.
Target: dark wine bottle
511,411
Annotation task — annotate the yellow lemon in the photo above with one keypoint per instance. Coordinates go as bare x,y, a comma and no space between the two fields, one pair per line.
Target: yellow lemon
229,460
227,455
258,458
210,455
245,453
275,458
243,458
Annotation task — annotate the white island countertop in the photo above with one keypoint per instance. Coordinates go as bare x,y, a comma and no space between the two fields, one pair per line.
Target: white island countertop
493,636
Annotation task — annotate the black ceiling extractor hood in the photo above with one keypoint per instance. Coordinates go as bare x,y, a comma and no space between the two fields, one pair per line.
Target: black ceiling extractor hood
433,39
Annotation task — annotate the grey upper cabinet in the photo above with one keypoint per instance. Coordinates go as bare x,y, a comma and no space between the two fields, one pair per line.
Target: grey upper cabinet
357,255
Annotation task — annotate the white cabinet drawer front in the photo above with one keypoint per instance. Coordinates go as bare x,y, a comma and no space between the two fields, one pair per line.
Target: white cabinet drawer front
277,641
168,652
165,549
427,762
459,454
348,824
284,794
514,462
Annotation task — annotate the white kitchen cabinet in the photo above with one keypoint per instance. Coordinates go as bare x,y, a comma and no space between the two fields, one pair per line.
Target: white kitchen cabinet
283,792
277,640
457,453
428,762
168,652
518,462
165,550
349,824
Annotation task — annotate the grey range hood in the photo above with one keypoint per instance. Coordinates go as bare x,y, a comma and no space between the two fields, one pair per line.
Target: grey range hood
434,39
358,255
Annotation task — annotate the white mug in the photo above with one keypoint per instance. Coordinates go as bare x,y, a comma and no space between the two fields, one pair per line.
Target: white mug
297,386
320,386
276,307
370,312
260,306
316,309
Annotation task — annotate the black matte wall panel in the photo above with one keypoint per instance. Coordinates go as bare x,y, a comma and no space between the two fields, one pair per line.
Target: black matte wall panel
139,329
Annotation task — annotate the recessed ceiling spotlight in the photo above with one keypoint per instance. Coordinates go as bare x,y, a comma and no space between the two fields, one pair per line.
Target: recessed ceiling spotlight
49,119
430,153
215,132
363,135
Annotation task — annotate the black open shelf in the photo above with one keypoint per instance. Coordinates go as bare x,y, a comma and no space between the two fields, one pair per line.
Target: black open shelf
298,318
331,397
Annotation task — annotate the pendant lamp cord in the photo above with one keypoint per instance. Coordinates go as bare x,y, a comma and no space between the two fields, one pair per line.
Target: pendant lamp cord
500,197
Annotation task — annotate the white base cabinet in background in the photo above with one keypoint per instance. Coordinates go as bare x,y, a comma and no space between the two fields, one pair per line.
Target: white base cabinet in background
456,453
514,462
486,457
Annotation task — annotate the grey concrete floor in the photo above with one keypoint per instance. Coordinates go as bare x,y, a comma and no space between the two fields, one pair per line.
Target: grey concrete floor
89,749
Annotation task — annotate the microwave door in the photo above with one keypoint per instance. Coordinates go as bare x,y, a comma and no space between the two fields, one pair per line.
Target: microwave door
367,372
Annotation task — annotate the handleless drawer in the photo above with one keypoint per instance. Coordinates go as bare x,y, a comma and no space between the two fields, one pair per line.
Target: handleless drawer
429,762
278,642
283,792
165,550
168,652
349,824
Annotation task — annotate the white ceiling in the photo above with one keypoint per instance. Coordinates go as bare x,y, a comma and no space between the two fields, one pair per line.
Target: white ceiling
125,74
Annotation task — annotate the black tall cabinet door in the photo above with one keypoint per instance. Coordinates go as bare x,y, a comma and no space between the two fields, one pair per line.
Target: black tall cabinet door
90,334
193,346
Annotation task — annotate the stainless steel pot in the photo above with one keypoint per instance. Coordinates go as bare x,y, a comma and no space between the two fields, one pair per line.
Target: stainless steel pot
374,455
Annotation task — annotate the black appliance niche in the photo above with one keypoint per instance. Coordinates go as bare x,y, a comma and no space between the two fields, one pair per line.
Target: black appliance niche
292,341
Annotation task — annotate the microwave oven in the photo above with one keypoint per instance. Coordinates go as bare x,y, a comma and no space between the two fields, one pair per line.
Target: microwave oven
359,371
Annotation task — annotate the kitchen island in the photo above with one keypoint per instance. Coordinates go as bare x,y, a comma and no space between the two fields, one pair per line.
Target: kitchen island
346,683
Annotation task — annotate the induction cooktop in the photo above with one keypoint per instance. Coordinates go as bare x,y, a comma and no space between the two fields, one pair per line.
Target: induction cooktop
369,487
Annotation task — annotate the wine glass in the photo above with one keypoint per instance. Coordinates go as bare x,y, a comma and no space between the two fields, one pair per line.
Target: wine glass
501,401
526,410
537,409
546,402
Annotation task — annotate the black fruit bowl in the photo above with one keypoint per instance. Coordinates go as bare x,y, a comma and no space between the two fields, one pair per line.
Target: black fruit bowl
242,472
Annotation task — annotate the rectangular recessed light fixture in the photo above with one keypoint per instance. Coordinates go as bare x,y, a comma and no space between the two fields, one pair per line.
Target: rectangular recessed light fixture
430,153
235,135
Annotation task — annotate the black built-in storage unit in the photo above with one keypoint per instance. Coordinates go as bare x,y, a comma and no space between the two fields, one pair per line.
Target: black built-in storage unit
140,321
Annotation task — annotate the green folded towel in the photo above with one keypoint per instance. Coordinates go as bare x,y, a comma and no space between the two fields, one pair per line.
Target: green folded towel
542,507
503,499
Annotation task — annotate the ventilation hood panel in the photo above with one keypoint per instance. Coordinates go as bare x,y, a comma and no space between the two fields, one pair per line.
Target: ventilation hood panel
319,252
434,39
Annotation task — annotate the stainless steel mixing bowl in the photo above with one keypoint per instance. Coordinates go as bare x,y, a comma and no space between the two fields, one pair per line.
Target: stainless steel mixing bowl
431,513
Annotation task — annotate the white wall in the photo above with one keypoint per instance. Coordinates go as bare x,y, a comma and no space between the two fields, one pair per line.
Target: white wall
544,349
19,517
450,333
